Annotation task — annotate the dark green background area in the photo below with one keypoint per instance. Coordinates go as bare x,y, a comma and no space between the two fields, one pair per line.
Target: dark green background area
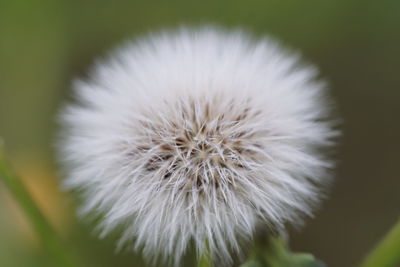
356,45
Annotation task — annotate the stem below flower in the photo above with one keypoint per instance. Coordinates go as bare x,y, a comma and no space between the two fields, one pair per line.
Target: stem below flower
387,252
49,237
272,251
204,261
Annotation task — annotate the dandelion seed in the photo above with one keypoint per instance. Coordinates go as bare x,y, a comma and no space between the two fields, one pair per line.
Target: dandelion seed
197,136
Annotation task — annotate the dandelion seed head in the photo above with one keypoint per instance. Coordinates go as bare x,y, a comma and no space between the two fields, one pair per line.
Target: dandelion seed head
197,135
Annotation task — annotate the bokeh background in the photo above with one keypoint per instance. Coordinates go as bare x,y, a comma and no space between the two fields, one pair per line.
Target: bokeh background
356,44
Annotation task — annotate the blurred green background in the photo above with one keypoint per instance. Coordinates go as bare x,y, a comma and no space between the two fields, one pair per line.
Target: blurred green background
356,44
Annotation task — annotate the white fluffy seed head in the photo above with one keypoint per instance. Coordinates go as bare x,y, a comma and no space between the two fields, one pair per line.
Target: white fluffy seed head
197,136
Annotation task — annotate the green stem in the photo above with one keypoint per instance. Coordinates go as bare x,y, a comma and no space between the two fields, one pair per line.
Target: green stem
273,251
204,261
387,252
49,237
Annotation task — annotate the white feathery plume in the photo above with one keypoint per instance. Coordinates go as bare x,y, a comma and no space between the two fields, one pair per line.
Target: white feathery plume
197,135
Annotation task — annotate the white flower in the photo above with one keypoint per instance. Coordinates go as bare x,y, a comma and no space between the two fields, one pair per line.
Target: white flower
197,136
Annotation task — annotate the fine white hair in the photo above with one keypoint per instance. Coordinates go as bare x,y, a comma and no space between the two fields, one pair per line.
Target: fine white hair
197,136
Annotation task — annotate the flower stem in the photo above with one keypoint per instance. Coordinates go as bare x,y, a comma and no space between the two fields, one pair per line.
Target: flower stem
47,234
273,251
387,252
204,261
